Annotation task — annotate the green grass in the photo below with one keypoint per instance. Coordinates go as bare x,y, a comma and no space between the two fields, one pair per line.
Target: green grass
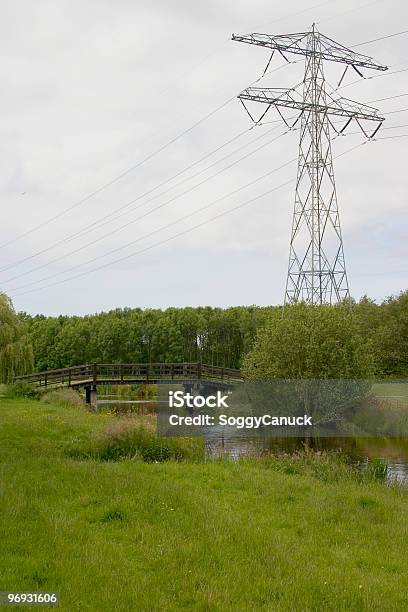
129,535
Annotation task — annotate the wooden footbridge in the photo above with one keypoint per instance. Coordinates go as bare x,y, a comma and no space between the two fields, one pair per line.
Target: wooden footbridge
89,376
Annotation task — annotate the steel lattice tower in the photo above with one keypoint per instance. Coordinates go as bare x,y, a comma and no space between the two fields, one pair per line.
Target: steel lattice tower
317,269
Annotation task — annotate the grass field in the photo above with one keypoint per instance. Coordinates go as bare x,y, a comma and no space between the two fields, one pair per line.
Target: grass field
127,535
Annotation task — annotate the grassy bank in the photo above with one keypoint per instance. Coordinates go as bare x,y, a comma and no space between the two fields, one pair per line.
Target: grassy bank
190,535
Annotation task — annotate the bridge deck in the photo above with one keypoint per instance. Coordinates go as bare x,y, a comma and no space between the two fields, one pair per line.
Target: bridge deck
129,373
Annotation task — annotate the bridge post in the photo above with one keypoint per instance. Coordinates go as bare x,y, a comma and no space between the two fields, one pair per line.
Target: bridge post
95,374
91,396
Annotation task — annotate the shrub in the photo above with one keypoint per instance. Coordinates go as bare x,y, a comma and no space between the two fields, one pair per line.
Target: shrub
21,389
310,342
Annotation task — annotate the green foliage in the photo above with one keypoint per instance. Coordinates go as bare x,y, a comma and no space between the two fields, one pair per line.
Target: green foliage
391,336
16,354
215,336
21,389
310,342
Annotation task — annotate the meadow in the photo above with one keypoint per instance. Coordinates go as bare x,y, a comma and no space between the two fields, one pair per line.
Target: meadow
173,531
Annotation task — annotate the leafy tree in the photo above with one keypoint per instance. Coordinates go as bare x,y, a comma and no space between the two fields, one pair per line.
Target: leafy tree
16,354
310,342
391,339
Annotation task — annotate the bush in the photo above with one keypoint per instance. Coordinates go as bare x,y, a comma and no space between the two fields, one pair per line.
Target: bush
21,389
310,342
63,397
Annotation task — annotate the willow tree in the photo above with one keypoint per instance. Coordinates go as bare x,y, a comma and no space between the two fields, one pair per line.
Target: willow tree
16,353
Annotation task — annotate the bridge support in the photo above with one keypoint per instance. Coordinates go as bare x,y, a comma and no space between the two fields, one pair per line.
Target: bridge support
91,396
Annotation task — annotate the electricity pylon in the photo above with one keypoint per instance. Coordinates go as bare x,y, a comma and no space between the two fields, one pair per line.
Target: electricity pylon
317,269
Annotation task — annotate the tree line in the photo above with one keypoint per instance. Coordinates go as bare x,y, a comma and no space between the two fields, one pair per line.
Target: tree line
217,336
132,335
228,337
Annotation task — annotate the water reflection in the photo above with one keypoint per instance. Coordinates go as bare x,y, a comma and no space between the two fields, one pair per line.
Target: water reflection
219,442
394,451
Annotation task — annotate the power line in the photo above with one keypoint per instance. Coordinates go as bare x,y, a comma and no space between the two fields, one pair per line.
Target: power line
113,217
352,10
182,233
131,168
119,176
368,42
391,137
310,8
101,221
160,206
369,78
394,127
170,224
390,127
160,243
147,158
389,98
158,151
400,110
97,223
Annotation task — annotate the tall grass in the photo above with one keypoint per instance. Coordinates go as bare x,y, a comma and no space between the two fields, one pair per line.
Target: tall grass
136,438
63,397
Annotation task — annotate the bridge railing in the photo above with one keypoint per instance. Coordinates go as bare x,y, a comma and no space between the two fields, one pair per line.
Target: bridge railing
221,373
59,376
121,372
146,371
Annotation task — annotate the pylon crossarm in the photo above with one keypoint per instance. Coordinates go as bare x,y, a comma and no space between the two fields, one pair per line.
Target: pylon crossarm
290,98
297,44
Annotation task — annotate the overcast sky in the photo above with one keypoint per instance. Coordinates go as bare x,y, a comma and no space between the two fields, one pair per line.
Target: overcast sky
92,88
